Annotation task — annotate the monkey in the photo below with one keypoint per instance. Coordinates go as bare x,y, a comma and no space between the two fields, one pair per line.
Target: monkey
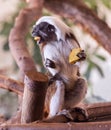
66,86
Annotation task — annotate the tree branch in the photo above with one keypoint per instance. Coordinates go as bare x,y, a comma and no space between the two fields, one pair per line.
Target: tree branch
60,126
99,111
11,85
33,97
85,17
17,42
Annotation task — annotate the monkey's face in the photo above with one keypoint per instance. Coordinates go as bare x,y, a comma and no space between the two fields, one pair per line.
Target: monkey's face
45,31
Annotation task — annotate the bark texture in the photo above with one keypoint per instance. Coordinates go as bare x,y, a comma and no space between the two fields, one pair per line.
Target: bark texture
11,85
33,97
61,126
17,41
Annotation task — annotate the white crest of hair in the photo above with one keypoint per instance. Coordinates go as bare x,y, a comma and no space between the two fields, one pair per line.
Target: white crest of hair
61,27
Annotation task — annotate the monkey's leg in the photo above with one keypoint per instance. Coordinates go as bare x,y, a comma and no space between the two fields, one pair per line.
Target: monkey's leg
73,97
57,100
76,94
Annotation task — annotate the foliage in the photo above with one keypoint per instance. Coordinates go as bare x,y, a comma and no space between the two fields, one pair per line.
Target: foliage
7,25
93,3
92,58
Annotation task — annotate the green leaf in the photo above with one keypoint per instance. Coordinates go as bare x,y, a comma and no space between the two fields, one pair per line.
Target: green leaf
6,28
88,71
36,55
98,68
92,4
6,46
107,3
100,57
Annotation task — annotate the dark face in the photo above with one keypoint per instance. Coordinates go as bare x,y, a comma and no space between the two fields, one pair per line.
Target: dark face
45,31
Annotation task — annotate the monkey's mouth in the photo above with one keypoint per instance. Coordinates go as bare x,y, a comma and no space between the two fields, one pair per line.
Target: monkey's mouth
40,36
38,39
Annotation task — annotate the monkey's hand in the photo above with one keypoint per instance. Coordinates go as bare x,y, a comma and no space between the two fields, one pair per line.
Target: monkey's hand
81,55
77,55
49,63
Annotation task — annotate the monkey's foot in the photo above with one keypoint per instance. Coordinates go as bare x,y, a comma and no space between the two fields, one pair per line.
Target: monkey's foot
66,113
75,114
79,114
50,63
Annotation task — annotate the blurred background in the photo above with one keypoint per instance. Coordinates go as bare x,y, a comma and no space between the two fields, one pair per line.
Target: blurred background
96,69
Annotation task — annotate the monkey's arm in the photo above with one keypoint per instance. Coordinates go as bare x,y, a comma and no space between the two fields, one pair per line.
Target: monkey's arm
49,63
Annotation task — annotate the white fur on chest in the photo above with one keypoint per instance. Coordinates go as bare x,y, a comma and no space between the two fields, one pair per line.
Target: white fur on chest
50,51
58,52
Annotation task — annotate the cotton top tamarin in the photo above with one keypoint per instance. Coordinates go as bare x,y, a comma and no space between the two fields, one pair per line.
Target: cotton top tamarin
56,41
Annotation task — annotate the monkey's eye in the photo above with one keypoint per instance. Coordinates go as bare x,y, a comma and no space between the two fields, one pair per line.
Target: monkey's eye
51,28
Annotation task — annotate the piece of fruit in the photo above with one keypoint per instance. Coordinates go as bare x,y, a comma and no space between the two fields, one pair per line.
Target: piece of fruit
73,58
37,38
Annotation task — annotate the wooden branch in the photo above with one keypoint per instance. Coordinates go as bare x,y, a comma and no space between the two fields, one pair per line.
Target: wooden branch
60,126
11,85
16,119
17,42
83,16
99,111
34,96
